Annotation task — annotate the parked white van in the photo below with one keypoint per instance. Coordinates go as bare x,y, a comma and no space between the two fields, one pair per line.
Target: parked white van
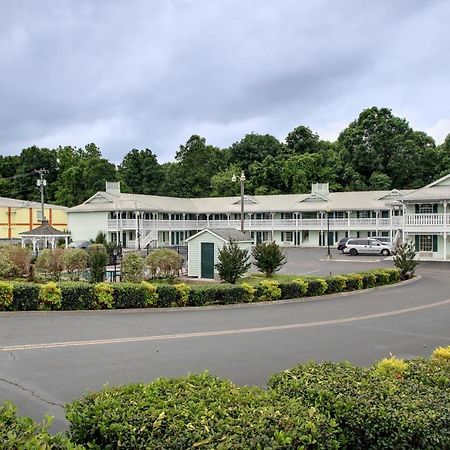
367,246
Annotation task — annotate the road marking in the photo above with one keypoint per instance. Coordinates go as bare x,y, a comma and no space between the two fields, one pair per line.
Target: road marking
164,337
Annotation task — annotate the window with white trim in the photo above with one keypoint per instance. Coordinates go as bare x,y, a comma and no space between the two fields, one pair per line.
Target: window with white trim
425,243
426,208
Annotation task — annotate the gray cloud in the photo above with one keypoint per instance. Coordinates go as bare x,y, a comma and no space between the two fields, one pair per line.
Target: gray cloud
149,74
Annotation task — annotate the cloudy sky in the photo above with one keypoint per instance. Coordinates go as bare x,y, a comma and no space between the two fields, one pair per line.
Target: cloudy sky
145,73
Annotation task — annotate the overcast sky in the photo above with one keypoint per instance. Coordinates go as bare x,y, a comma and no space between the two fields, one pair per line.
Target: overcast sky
142,73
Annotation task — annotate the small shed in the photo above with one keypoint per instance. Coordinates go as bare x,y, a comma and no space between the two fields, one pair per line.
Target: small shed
43,236
203,249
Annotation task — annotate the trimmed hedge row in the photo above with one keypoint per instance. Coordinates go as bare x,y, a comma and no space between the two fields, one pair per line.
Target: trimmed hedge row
394,404
81,295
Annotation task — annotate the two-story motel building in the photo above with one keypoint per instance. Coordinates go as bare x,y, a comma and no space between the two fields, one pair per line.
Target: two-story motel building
139,221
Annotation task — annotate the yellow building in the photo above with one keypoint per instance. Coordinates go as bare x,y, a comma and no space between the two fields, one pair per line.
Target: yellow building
17,216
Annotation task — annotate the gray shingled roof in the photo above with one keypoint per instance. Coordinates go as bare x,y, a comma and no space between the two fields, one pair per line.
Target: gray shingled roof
6,202
335,201
429,193
44,230
227,234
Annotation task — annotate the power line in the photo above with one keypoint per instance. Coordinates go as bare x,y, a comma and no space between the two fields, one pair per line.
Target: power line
18,176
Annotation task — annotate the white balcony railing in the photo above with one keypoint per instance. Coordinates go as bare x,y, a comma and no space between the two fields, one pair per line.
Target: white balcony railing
427,220
259,224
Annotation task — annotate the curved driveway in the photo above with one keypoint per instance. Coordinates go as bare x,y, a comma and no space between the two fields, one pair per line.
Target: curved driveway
246,344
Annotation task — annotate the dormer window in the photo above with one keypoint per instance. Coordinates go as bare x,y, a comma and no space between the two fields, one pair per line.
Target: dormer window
247,201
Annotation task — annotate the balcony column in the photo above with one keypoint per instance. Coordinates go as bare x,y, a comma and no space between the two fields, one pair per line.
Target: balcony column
348,223
250,221
228,220
119,237
445,246
207,220
445,214
377,215
273,225
136,242
184,225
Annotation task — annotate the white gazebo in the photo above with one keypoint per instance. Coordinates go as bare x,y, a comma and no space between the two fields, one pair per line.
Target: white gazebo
45,235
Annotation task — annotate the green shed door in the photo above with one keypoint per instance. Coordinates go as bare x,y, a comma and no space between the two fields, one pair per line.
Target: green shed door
207,260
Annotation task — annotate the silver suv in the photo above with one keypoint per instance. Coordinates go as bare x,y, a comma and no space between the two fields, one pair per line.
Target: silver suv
367,246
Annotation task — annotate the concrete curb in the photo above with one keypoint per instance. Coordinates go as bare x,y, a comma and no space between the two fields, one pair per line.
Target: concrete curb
214,307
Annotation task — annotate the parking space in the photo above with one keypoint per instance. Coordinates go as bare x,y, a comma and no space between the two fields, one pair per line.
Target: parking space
313,261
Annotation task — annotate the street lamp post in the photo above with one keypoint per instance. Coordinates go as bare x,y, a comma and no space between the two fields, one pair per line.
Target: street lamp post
242,180
328,235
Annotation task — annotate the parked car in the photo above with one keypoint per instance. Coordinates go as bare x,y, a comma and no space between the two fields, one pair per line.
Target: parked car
342,242
367,246
383,239
80,244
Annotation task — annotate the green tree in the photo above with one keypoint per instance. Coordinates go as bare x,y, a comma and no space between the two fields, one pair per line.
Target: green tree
302,140
269,258
222,184
233,262
75,262
266,177
254,148
380,142
379,182
141,172
97,261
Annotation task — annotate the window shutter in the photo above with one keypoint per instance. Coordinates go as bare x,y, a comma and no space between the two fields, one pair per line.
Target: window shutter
435,208
417,208
417,242
435,249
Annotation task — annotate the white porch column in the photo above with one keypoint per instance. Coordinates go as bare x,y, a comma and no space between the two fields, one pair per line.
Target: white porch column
53,243
184,225
445,214
228,220
197,220
34,245
66,241
296,220
136,242
273,226
207,220
445,246
348,223
321,229
377,215
250,221
22,242
119,237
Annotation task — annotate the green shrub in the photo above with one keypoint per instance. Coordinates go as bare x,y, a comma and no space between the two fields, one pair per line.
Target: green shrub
196,411
75,262
316,286
335,284
25,297
405,261
391,367
182,290
233,262
294,289
50,263
164,262
97,260
250,291
268,290
167,295
269,258
22,433
354,282
433,372
394,275
382,277
132,268
151,294
104,298
219,295
369,280
6,266
442,354
49,296
20,258
77,295
129,295
371,411
6,295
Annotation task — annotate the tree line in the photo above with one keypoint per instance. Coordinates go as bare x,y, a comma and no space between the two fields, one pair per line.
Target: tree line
377,151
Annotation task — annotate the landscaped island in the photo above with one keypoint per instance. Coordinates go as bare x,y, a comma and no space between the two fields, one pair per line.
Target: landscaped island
25,296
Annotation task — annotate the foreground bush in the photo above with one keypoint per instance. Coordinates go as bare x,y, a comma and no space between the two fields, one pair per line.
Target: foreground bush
233,262
132,268
379,408
19,433
164,262
196,411
269,258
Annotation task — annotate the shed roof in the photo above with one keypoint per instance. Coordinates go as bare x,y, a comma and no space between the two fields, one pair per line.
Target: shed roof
226,234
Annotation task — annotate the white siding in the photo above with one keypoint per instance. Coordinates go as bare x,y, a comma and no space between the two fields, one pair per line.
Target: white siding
194,252
85,226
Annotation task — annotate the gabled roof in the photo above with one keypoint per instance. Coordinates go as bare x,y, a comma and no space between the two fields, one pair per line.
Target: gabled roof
314,197
438,182
225,234
394,193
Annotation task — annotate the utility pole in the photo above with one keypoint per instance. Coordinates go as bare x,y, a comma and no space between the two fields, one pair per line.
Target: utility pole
41,183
